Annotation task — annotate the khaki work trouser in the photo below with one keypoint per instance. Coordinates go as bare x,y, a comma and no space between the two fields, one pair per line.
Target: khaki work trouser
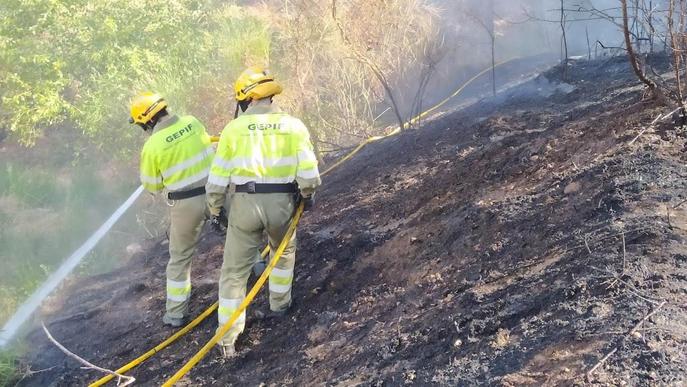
249,216
187,218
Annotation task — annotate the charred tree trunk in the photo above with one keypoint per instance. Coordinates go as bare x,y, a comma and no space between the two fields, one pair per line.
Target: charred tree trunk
589,47
675,50
376,70
632,56
681,42
493,65
652,30
492,35
637,25
565,42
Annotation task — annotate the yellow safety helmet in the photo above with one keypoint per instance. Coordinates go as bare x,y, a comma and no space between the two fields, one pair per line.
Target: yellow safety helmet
145,106
256,83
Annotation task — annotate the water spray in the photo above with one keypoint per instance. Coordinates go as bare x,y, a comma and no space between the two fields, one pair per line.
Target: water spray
29,306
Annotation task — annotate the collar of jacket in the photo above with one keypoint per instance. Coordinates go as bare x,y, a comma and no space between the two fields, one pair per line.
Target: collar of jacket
165,122
262,108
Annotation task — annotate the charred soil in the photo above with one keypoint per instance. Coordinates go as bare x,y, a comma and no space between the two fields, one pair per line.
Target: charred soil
516,241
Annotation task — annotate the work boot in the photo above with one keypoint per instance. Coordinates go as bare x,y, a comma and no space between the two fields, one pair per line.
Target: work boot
259,268
259,265
175,322
282,312
228,350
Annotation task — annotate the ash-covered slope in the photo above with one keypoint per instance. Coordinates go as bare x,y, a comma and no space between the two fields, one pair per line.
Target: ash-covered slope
514,242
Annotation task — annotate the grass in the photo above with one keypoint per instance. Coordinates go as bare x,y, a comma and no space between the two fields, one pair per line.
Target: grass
44,217
49,206
8,368
45,214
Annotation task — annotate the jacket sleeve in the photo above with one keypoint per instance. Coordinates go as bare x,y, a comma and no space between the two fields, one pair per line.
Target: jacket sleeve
307,173
151,178
220,174
207,140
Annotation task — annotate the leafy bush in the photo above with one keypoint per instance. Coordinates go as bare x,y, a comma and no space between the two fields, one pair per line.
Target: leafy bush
8,368
45,216
68,69
80,61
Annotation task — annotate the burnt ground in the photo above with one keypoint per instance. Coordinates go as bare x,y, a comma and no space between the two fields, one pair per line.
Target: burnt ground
514,242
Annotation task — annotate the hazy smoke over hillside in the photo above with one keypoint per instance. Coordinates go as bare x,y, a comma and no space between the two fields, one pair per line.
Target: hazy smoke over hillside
524,27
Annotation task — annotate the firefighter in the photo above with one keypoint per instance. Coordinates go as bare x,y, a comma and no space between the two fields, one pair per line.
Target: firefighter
267,156
176,157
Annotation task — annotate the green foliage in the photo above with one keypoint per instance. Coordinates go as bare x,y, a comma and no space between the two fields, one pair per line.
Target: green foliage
80,61
45,216
68,68
8,368
36,188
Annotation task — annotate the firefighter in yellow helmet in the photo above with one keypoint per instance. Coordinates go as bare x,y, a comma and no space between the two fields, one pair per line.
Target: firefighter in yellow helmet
267,158
176,158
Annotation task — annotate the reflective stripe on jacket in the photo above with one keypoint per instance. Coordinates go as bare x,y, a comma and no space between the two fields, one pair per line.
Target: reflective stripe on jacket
176,157
264,145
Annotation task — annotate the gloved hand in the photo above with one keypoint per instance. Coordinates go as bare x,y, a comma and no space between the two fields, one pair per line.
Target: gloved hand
223,217
308,201
260,264
219,223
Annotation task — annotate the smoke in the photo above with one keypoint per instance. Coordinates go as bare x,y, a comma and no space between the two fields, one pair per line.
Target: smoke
471,29
525,27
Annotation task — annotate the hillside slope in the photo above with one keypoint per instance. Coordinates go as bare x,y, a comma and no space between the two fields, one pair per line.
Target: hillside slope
513,242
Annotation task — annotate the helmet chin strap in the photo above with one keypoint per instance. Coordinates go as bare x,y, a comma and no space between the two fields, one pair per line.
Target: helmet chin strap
150,125
243,105
146,127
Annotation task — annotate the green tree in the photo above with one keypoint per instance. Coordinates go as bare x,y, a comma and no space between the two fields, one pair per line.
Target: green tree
76,63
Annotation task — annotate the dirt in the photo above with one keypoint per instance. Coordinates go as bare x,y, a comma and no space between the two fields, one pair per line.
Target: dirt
514,242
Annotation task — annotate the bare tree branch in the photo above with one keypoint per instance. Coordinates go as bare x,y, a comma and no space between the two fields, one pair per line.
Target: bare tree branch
634,63
122,380
674,45
373,66
633,330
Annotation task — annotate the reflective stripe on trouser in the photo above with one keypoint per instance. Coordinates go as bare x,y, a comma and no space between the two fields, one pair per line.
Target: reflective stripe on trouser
249,215
227,307
187,217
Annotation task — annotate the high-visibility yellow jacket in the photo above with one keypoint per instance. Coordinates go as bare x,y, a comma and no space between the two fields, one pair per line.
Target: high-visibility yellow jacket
264,145
177,156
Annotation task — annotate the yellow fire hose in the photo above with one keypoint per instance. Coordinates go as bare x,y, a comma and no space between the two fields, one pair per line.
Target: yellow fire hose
260,282
414,119
455,93
160,346
246,301
136,362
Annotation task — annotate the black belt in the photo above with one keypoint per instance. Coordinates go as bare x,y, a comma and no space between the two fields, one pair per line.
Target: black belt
180,195
253,187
